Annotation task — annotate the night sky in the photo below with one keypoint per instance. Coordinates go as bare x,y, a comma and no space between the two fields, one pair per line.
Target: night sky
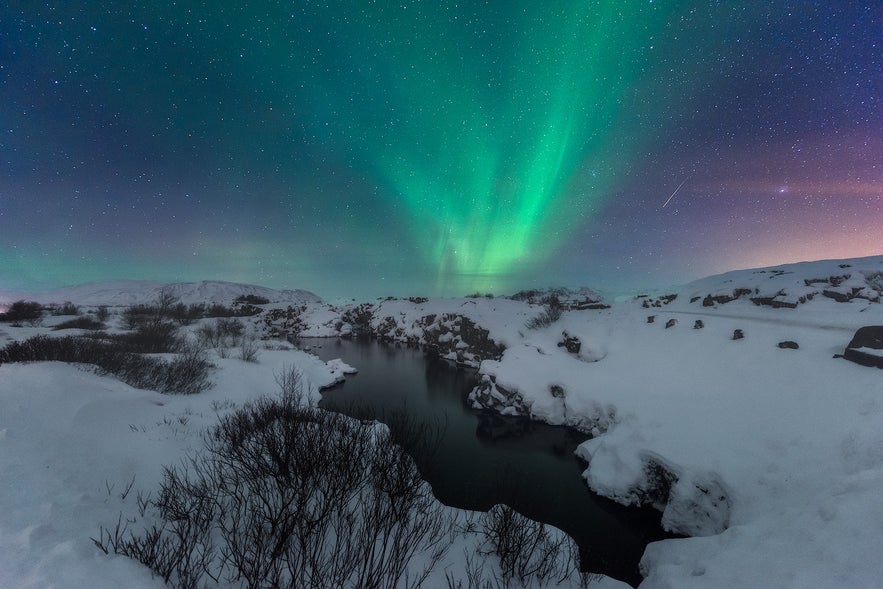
435,147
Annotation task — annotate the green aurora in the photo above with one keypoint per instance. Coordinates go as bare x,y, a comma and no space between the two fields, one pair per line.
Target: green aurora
498,130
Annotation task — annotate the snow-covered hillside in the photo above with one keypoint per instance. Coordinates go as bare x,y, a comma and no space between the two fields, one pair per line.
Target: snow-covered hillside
134,292
725,403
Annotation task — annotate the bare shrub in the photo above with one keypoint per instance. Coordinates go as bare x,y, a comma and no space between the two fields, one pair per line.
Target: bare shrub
30,312
151,337
291,385
68,308
219,310
221,334
528,552
251,299
248,350
186,314
187,373
102,313
80,323
547,317
290,495
137,315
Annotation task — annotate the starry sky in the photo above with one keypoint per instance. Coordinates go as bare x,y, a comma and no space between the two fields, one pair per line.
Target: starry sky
360,149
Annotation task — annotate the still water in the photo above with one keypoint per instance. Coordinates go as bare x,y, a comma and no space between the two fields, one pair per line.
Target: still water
478,459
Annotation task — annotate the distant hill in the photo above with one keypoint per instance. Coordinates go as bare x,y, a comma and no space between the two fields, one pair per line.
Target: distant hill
792,284
132,292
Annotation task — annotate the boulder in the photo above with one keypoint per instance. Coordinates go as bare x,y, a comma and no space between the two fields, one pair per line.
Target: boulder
738,334
671,323
866,347
571,343
789,345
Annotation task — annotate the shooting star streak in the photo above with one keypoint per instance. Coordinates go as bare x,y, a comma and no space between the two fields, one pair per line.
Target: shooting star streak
675,192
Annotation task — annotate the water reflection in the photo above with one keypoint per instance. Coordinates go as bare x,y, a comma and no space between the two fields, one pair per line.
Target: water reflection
474,460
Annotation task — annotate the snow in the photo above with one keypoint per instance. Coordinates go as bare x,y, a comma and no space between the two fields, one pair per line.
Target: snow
133,292
869,351
774,457
339,369
77,450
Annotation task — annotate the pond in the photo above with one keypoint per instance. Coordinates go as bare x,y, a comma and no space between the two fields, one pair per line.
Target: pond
477,459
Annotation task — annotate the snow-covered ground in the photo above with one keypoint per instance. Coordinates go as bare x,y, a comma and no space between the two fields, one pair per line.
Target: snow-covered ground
770,457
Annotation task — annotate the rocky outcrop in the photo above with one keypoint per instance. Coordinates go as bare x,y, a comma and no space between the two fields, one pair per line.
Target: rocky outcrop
491,395
657,302
286,322
571,343
566,299
450,336
356,321
866,347
778,301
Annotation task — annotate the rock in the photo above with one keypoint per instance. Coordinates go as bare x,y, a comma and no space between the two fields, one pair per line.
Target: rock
866,347
774,302
710,301
697,506
840,297
738,334
571,343
699,324
671,323
789,345
651,318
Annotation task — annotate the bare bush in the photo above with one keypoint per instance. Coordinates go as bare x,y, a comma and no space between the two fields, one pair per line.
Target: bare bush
251,299
187,373
102,313
80,323
186,314
221,334
248,350
547,317
291,386
290,495
136,315
151,337
23,312
527,550
68,308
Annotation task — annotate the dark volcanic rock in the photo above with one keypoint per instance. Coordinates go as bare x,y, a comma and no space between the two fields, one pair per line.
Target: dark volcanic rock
870,337
738,334
710,301
773,302
571,343
660,301
699,324
840,297
789,345
671,323
651,318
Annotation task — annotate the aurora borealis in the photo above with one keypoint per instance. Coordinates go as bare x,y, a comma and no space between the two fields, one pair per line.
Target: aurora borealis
365,149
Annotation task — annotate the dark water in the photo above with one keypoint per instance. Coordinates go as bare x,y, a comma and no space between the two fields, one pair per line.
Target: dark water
478,460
